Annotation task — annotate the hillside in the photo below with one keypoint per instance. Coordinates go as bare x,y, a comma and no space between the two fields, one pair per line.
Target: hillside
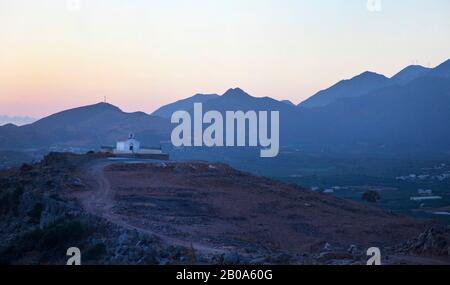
409,74
442,70
166,111
413,117
192,213
365,114
85,127
370,82
357,86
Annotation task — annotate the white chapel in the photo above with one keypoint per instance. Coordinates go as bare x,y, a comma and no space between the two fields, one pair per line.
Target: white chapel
131,145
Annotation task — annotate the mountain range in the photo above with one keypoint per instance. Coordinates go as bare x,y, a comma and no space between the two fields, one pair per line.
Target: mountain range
167,110
408,111
16,120
84,127
368,82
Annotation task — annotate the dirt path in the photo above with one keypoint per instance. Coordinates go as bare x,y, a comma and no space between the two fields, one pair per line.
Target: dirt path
100,202
218,209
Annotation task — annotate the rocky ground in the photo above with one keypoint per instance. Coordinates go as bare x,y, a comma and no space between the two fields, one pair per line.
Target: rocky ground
193,213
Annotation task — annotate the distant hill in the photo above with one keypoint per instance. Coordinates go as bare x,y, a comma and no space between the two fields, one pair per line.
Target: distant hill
410,73
415,116
357,86
288,102
369,82
167,110
442,70
232,99
16,120
408,111
85,127
238,99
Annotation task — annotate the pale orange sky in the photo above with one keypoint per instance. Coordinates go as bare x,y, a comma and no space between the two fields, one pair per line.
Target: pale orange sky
143,54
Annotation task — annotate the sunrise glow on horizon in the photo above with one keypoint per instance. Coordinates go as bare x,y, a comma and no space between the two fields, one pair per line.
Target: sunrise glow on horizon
144,54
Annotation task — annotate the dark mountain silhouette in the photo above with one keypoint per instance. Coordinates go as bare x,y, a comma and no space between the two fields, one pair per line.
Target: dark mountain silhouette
232,99
410,73
414,116
9,126
393,117
288,102
167,110
84,127
238,99
358,86
236,93
15,120
369,82
442,70
407,112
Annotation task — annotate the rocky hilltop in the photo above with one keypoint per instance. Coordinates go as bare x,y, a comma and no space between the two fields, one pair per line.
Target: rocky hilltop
131,212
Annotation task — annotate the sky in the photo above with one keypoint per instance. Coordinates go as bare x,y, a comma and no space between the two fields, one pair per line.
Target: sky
141,54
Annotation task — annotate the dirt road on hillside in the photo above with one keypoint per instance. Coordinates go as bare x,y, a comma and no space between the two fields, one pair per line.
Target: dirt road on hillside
217,208
100,201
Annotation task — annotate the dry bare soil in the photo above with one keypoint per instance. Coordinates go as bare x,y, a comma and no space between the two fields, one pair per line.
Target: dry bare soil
215,208
153,212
